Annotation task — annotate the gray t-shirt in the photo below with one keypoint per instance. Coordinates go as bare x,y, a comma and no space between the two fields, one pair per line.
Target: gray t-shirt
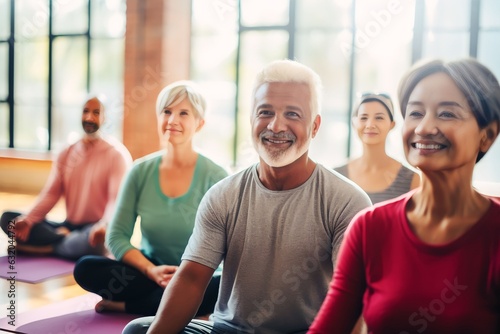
278,247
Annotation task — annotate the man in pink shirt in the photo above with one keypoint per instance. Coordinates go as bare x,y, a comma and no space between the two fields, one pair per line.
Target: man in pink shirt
87,174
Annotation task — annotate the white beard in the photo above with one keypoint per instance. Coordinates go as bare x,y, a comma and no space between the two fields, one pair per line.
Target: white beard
280,157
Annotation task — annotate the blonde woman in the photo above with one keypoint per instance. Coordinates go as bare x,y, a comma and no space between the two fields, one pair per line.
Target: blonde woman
164,189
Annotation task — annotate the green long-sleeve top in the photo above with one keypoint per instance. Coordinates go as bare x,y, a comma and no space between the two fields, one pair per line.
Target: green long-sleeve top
166,223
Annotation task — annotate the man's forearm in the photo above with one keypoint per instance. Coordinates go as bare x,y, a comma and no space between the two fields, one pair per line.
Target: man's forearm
181,299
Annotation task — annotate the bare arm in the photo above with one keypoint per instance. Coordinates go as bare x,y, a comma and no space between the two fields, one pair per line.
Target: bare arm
181,298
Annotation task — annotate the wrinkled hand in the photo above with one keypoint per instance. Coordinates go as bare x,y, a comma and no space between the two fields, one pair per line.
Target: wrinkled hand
161,274
22,229
97,235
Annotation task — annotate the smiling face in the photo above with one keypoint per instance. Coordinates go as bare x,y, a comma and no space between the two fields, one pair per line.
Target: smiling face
178,123
92,116
440,131
372,123
282,123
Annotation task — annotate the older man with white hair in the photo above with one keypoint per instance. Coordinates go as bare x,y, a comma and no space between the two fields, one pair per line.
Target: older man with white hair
276,225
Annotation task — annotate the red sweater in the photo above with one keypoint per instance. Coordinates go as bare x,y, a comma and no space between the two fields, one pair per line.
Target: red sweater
403,285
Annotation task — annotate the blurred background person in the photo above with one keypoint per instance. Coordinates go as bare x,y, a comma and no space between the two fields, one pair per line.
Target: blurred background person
164,189
87,174
379,175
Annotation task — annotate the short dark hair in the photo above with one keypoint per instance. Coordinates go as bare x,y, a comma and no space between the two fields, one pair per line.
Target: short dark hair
478,84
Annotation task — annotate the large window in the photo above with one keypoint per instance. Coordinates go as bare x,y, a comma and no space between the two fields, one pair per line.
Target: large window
488,52
55,53
355,46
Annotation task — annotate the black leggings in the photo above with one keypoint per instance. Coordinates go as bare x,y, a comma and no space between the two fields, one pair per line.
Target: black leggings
117,281
44,233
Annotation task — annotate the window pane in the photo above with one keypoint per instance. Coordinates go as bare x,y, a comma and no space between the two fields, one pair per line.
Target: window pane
446,14
216,76
490,10
67,123
32,19
69,85
489,51
216,137
487,168
213,16
263,13
69,68
257,50
4,125
323,14
30,127
446,45
4,73
106,66
4,19
322,52
488,54
215,28
213,65
383,52
108,18
106,78
70,17
31,73
375,18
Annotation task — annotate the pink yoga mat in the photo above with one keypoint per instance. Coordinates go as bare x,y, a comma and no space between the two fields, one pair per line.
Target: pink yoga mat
74,315
34,269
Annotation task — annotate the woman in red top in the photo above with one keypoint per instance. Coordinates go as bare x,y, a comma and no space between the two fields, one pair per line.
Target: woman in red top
429,262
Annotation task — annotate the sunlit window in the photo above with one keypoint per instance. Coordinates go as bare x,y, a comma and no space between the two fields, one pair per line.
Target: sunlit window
60,55
356,49
63,50
489,53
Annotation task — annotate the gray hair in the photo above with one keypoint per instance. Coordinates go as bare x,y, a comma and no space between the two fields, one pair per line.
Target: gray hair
178,91
294,72
478,84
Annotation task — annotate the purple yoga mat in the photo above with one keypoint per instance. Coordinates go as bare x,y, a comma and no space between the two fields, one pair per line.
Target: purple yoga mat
74,315
34,269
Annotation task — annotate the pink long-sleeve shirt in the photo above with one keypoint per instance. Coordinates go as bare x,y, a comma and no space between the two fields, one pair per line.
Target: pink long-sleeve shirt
88,176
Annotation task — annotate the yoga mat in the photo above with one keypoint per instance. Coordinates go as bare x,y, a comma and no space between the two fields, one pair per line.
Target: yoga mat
74,315
34,269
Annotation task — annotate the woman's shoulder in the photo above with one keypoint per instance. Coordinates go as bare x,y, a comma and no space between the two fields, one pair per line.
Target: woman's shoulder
406,171
386,210
149,158
210,166
342,169
495,207
146,163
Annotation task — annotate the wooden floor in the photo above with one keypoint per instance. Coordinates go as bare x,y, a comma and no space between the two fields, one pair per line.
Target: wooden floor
30,296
